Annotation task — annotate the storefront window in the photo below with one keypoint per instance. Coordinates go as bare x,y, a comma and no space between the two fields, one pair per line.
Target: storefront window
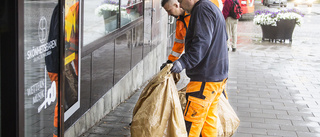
102,16
41,52
130,10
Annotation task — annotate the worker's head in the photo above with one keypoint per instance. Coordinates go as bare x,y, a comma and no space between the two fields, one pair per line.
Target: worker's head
187,5
172,7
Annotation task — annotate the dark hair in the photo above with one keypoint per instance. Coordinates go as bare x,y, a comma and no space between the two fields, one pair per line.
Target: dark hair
164,2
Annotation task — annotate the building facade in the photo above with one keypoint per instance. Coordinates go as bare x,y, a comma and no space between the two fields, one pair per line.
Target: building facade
65,64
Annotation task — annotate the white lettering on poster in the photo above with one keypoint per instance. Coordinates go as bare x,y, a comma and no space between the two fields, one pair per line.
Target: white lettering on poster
42,29
50,97
41,51
35,88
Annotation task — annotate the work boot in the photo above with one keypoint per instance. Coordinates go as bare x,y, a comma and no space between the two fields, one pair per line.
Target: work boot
234,49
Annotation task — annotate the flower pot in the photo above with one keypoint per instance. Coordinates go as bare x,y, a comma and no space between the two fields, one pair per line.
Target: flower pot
282,31
110,20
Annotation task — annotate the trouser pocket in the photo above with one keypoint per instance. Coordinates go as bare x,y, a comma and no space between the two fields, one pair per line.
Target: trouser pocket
196,110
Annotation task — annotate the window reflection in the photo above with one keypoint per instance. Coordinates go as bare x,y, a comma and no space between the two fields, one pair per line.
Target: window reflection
102,16
122,56
109,11
137,44
130,10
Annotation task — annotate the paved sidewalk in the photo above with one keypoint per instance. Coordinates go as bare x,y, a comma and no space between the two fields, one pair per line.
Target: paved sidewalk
273,87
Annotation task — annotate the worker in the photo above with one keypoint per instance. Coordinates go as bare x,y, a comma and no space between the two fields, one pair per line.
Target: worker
206,63
173,8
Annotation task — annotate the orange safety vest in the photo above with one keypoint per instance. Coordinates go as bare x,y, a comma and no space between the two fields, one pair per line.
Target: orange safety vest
181,30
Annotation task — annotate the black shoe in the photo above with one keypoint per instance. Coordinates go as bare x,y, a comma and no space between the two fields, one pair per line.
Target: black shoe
234,49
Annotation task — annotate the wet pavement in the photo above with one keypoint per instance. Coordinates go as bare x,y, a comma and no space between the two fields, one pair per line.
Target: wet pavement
273,87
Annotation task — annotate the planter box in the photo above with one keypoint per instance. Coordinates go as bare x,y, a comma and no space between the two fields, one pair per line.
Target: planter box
282,31
110,20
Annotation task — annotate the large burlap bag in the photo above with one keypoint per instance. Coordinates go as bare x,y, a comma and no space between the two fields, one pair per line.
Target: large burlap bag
227,122
158,112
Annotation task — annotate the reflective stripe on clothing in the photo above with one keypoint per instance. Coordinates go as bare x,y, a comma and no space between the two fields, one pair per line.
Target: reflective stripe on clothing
179,40
175,54
200,113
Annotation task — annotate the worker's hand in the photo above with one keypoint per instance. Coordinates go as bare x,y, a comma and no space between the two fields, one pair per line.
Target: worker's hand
177,67
164,64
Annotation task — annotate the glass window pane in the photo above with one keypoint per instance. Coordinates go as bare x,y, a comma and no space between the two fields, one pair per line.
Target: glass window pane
130,11
122,56
40,62
102,71
100,18
137,44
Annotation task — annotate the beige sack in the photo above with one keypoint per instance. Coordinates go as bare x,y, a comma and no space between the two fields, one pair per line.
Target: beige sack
228,118
227,122
158,112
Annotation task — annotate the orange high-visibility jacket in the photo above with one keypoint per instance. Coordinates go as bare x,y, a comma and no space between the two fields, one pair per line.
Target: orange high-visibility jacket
181,29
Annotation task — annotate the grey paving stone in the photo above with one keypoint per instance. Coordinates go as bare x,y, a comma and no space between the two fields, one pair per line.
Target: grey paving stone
126,120
305,123
248,101
278,121
282,133
289,117
252,119
294,128
297,113
242,135
314,130
256,110
96,135
245,124
272,111
283,108
259,99
261,106
264,136
265,126
110,118
99,130
120,131
114,125
252,131
308,134
263,115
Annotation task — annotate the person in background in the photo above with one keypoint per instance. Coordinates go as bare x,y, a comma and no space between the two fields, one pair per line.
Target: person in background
206,63
173,9
231,25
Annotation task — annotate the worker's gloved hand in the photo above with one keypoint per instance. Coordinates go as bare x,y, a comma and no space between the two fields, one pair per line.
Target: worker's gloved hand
177,67
164,64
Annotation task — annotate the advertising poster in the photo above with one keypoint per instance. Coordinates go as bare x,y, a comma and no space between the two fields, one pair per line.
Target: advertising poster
41,67
72,58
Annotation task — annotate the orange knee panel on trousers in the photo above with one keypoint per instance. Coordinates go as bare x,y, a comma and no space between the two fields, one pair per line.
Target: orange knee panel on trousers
201,110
